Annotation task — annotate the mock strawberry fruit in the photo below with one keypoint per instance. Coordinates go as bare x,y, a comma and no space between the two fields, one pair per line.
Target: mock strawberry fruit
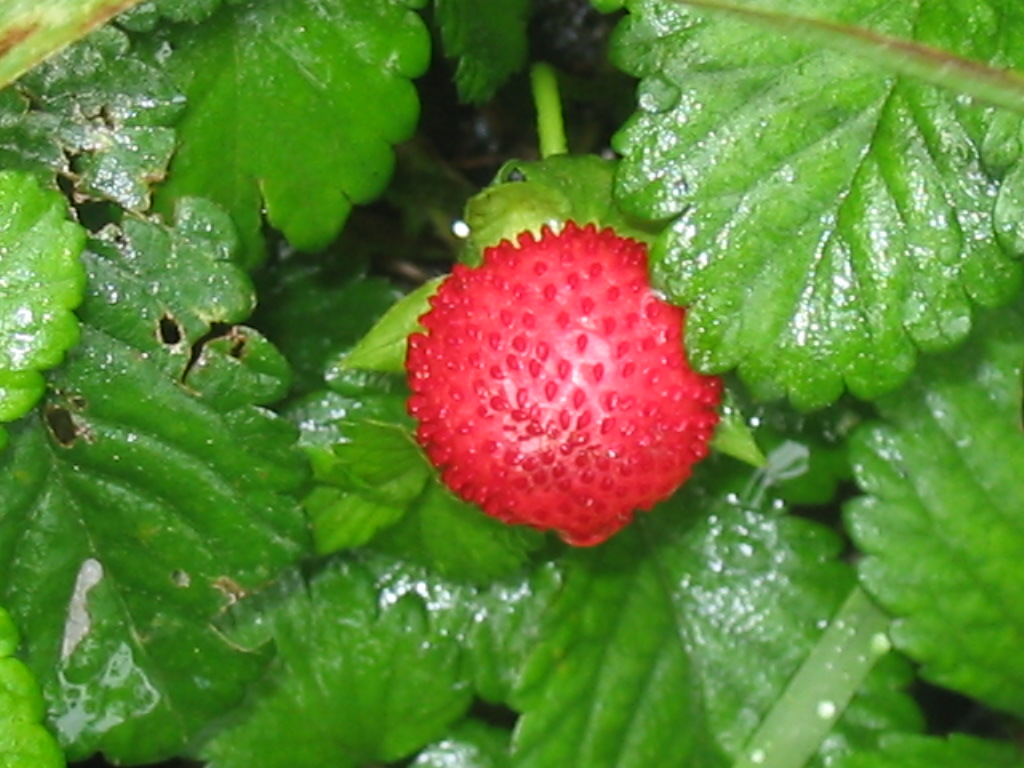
551,386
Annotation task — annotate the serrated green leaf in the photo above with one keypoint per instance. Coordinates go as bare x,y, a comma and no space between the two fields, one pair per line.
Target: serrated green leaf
955,751
24,742
41,281
305,71
365,652
994,85
820,242
676,639
144,499
98,114
31,30
489,46
942,518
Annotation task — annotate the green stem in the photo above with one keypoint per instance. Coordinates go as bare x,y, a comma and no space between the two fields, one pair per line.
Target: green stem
818,694
550,128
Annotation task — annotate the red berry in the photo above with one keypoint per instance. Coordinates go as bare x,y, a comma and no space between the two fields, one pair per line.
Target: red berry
551,386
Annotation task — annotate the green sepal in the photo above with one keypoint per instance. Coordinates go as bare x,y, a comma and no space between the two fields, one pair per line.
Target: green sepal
526,196
734,437
383,348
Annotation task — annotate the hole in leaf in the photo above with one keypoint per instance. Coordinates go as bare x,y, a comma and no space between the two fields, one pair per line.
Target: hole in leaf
217,330
78,402
169,331
495,714
181,579
61,425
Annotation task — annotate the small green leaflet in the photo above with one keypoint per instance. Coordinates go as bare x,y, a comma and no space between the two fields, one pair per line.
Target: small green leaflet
148,493
820,242
375,487
942,518
41,281
294,107
24,742
489,43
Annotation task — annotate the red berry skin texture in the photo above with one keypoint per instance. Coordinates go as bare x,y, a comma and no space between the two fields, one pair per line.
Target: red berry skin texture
551,387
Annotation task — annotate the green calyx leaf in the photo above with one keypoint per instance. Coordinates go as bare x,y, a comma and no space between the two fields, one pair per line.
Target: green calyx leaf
246,72
24,742
941,519
820,244
526,196
384,347
41,281
734,437
149,494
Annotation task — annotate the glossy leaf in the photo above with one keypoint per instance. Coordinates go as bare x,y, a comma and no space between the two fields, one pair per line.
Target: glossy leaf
365,652
699,614
278,118
24,742
819,242
488,47
942,518
994,85
149,494
97,114
41,281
